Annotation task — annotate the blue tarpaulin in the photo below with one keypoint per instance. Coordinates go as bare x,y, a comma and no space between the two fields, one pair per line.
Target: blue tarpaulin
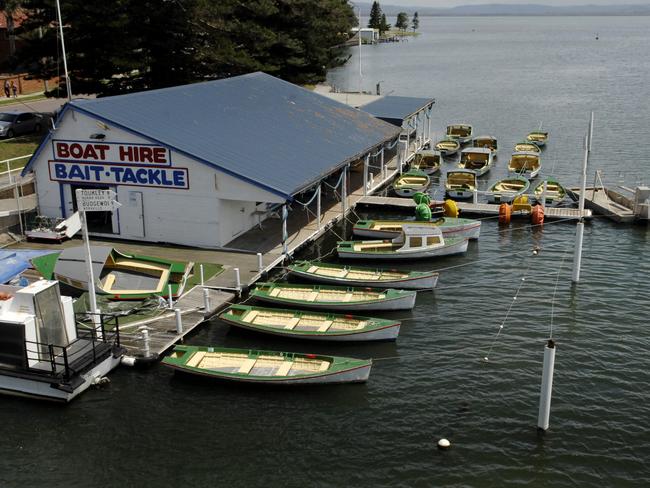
13,262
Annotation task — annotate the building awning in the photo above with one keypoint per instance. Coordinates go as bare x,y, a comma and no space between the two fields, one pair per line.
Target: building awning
393,108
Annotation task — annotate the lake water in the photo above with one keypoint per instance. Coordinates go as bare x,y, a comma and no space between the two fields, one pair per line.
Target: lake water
505,76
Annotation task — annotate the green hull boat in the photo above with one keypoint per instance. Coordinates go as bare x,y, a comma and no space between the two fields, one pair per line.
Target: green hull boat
267,367
298,324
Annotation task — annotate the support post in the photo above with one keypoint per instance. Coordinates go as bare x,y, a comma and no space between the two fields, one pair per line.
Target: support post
260,262
383,166
202,276
344,191
206,300
237,280
179,321
547,386
577,253
365,174
146,346
19,209
318,207
475,196
170,298
89,270
285,236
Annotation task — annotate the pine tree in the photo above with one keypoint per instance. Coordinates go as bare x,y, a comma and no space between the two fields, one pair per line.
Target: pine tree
402,21
375,16
384,26
415,23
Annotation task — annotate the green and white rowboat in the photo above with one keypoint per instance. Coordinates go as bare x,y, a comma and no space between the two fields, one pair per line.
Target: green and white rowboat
411,182
507,189
538,137
527,146
414,243
267,367
427,161
389,229
555,192
447,146
320,326
338,274
334,297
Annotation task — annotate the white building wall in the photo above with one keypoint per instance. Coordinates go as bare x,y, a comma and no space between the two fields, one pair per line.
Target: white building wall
212,211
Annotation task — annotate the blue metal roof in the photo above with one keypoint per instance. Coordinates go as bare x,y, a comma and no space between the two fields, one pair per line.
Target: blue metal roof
396,107
266,131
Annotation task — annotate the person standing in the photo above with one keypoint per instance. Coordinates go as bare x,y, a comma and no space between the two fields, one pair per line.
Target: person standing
14,89
7,93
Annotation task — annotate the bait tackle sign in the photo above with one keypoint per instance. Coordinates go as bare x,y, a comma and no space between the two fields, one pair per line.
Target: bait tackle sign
116,164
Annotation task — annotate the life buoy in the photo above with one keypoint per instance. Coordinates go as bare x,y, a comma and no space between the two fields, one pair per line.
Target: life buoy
450,208
505,212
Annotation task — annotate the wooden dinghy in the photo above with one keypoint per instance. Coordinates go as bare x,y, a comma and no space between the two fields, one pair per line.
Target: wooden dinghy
507,189
477,159
427,161
526,146
447,146
538,137
338,274
334,297
526,164
311,325
118,275
389,229
267,367
487,142
554,194
413,243
460,183
410,183
460,132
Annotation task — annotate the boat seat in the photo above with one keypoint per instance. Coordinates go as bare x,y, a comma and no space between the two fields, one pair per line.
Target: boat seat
108,282
284,368
347,297
324,366
292,323
246,366
196,359
325,326
311,297
275,292
250,316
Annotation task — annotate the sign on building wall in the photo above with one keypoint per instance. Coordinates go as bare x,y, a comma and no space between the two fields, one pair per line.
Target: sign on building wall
115,164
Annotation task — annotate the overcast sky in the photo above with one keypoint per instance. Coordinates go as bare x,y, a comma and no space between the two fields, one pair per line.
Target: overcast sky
453,3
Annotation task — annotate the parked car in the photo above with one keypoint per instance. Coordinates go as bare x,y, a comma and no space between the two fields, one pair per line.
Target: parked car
17,123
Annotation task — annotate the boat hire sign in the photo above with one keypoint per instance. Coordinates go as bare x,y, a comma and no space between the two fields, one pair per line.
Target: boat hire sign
116,164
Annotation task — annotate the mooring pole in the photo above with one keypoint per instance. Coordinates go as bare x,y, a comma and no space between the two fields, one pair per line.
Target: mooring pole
580,226
170,298
237,280
285,236
318,207
344,191
547,386
260,262
206,301
544,194
179,321
202,276
365,174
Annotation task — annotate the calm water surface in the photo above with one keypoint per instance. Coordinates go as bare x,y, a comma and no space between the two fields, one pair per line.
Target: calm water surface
505,76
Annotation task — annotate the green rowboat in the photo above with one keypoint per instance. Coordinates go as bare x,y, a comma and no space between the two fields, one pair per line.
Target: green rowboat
338,274
411,182
555,192
334,297
267,367
300,324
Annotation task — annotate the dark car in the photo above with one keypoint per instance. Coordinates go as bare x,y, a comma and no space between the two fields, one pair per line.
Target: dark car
17,123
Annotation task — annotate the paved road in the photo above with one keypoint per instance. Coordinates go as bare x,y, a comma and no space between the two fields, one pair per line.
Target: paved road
46,105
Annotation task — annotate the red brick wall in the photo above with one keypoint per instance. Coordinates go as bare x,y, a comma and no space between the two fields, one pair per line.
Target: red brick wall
25,86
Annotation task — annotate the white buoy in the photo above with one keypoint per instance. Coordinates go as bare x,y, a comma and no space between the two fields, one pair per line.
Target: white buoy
444,444
547,386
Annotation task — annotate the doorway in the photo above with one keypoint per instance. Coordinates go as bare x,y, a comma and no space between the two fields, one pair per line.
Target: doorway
98,222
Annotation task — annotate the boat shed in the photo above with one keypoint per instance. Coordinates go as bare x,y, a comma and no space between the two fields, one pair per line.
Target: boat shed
201,164
411,114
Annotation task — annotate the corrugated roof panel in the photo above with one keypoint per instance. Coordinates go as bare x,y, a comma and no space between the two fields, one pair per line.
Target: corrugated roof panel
268,131
396,107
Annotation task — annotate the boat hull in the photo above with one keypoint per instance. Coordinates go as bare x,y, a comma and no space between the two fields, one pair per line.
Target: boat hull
417,283
460,194
471,230
358,374
404,302
529,174
409,192
44,390
448,249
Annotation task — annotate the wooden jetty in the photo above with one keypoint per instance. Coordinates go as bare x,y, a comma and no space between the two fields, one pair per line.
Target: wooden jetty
161,332
479,209
614,203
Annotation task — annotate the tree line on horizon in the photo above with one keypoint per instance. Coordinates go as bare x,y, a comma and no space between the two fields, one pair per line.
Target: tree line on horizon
378,20
123,46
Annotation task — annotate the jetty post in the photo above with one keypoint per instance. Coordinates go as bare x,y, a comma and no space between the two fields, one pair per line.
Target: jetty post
344,191
580,226
179,321
318,207
547,386
366,162
285,235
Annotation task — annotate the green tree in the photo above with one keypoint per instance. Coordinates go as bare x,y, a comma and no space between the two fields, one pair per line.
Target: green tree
9,8
384,26
375,16
402,21
415,23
